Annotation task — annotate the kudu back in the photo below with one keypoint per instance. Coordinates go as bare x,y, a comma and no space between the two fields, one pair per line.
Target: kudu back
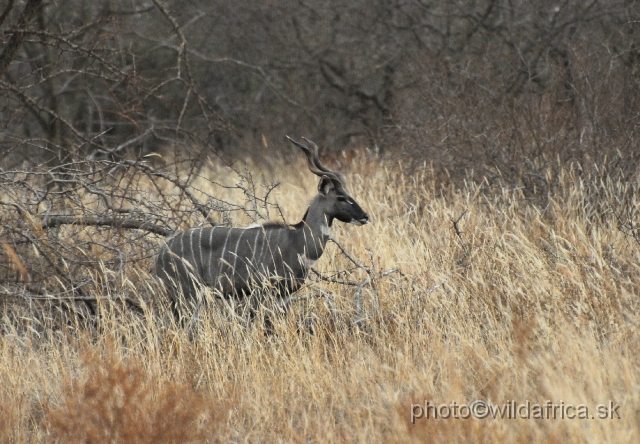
235,262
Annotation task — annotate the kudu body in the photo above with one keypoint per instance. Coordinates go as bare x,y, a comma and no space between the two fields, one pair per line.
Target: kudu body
237,261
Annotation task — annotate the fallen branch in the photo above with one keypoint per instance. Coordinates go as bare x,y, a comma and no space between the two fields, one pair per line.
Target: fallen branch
334,281
54,221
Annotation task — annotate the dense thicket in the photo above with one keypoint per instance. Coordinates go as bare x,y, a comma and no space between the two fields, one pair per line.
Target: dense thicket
500,87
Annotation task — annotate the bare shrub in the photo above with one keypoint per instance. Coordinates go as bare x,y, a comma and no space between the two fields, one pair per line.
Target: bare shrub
506,92
120,402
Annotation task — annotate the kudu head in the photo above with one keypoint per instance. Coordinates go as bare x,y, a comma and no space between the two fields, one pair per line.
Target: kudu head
332,194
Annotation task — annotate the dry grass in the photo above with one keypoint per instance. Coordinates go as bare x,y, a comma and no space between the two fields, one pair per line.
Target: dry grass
542,306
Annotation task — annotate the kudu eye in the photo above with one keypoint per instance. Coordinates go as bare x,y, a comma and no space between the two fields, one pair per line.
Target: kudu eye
341,198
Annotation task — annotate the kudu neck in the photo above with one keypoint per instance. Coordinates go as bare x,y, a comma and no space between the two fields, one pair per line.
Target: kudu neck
315,229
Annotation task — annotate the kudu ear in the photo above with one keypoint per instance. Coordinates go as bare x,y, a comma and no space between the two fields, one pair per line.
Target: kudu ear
325,185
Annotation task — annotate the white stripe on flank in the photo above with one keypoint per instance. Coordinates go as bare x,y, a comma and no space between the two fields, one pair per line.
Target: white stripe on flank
193,253
235,252
259,261
180,242
200,248
282,260
270,249
255,245
224,247
278,243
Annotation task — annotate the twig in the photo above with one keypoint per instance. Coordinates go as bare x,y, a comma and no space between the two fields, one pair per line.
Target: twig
348,256
371,277
95,155
177,182
455,224
334,281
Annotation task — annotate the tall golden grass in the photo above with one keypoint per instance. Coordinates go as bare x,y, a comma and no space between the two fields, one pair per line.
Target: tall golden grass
526,303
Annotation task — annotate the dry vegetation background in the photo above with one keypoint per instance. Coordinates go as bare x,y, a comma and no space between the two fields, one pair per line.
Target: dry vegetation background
494,144
535,303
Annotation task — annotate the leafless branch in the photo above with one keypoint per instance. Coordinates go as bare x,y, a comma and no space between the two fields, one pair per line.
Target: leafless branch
56,221
372,277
